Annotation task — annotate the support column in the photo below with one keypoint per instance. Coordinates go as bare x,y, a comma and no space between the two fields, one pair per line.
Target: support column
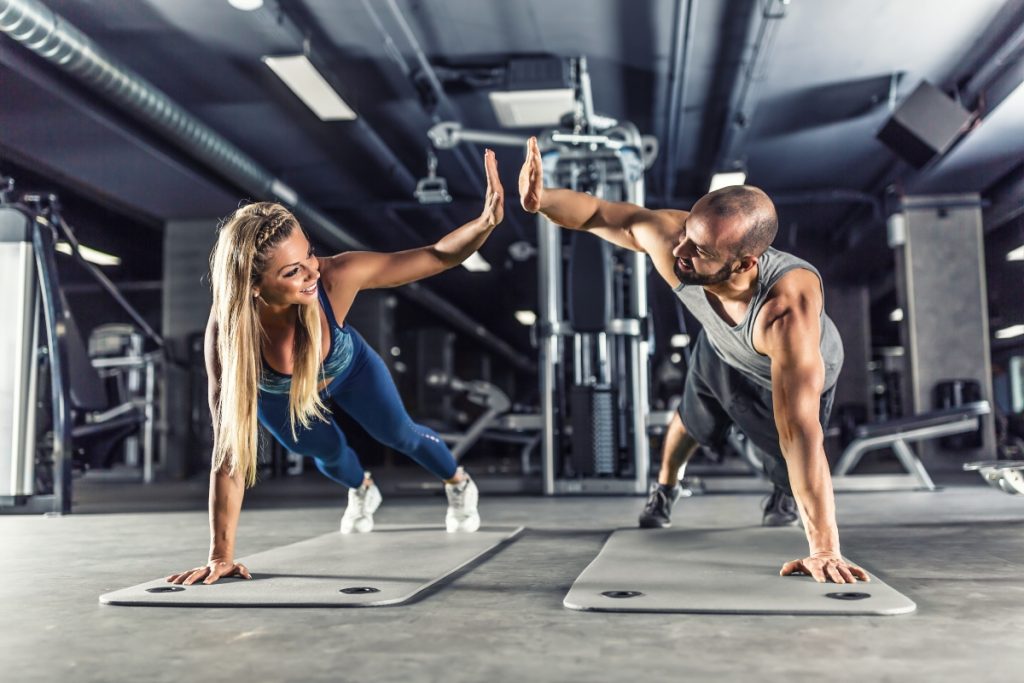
940,266
849,308
186,308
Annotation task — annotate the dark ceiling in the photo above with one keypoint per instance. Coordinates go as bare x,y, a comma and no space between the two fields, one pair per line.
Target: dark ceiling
810,105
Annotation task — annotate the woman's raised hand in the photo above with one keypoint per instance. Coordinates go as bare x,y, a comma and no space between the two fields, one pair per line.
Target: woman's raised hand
213,570
531,178
494,202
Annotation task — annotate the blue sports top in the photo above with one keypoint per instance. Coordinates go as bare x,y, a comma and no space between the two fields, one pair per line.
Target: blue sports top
339,354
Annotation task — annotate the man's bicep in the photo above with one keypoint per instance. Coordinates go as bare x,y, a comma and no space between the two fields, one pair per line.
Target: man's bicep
797,367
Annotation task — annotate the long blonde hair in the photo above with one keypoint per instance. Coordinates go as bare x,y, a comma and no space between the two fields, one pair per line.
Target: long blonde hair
245,241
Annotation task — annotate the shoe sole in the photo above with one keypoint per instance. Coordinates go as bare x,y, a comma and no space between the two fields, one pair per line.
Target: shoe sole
795,522
461,526
654,525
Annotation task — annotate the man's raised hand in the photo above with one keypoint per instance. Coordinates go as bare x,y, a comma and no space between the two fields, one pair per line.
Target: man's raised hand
531,178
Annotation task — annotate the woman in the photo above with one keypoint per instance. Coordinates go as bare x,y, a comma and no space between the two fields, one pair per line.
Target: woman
278,351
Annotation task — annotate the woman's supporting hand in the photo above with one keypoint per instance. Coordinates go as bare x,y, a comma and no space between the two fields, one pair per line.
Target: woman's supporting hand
531,178
494,201
214,569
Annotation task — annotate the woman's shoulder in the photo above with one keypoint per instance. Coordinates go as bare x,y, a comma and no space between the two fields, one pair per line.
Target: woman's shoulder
337,283
333,268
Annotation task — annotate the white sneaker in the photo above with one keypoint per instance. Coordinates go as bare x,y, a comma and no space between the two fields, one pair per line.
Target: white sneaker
462,501
362,503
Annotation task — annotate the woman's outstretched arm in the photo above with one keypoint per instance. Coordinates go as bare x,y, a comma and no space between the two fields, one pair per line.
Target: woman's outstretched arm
375,270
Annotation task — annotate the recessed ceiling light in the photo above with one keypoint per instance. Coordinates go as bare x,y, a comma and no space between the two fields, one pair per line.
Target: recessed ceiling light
526,317
476,263
720,180
896,315
532,108
246,5
1010,332
91,255
299,74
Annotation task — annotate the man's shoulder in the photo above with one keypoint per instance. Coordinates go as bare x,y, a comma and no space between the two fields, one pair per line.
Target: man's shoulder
796,289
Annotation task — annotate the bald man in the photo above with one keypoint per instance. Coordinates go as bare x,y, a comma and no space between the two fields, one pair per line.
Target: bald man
766,360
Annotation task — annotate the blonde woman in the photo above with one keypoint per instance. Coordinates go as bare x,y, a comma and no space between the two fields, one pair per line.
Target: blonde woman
279,352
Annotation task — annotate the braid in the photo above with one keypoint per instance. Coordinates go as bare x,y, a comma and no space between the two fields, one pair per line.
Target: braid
272,224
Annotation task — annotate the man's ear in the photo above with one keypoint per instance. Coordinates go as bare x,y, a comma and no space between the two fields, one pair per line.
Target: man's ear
745,264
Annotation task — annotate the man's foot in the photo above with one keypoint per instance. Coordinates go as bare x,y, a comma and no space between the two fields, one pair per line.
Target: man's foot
462,502
362,503
780,510
657,513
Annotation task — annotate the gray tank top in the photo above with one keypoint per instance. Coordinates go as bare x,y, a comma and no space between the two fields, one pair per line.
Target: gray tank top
735,345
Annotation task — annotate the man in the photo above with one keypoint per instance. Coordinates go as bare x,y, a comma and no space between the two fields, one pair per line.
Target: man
767,358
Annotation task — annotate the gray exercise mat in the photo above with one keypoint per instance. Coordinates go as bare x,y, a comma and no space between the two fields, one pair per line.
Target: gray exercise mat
730,571
390,566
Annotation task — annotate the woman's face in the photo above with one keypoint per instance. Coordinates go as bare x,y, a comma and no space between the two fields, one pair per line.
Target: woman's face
292,273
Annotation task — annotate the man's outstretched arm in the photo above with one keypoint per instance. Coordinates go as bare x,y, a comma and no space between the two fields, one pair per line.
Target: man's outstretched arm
633,227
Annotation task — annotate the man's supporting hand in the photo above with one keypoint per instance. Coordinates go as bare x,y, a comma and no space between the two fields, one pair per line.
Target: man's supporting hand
823,567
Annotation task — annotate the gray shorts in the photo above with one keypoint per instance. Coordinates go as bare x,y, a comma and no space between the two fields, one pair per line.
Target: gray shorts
718,395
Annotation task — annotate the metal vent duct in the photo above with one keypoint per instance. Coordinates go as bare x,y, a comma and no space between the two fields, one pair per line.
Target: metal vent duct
50,36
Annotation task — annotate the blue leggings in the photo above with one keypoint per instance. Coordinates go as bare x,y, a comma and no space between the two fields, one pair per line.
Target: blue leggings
366,392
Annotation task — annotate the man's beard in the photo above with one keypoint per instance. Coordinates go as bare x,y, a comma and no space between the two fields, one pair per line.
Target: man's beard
692,277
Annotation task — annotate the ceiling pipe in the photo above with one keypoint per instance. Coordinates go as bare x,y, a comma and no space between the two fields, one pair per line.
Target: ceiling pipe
51,37
682,46
428,71
1010,51
763,22
834,196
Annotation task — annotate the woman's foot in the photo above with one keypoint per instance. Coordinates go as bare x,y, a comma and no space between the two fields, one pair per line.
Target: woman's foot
362,503
463,497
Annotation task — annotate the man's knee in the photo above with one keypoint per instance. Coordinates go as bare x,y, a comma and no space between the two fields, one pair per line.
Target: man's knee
678,439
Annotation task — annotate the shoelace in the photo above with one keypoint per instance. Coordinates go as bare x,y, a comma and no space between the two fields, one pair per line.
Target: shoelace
362,498
777,501
458,494
659,497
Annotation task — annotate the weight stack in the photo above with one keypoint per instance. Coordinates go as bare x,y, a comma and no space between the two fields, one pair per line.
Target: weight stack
593,452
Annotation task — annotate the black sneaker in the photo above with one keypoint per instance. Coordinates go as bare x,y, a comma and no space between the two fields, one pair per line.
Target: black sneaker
780,510
657,513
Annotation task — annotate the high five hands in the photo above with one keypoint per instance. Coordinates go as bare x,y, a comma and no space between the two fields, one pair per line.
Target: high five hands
494,201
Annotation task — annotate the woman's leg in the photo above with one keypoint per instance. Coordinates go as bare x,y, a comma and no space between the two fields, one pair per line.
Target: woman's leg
322,441
369,395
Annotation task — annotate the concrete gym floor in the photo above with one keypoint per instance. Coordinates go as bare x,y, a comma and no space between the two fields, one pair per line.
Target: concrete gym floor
957,553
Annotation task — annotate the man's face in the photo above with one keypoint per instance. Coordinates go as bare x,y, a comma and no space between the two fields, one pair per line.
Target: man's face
702,256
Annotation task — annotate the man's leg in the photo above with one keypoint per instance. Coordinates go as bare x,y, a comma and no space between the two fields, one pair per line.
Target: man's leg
700,419
676,451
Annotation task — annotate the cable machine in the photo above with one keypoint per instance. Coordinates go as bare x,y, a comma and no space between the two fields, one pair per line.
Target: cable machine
592,318
53,397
